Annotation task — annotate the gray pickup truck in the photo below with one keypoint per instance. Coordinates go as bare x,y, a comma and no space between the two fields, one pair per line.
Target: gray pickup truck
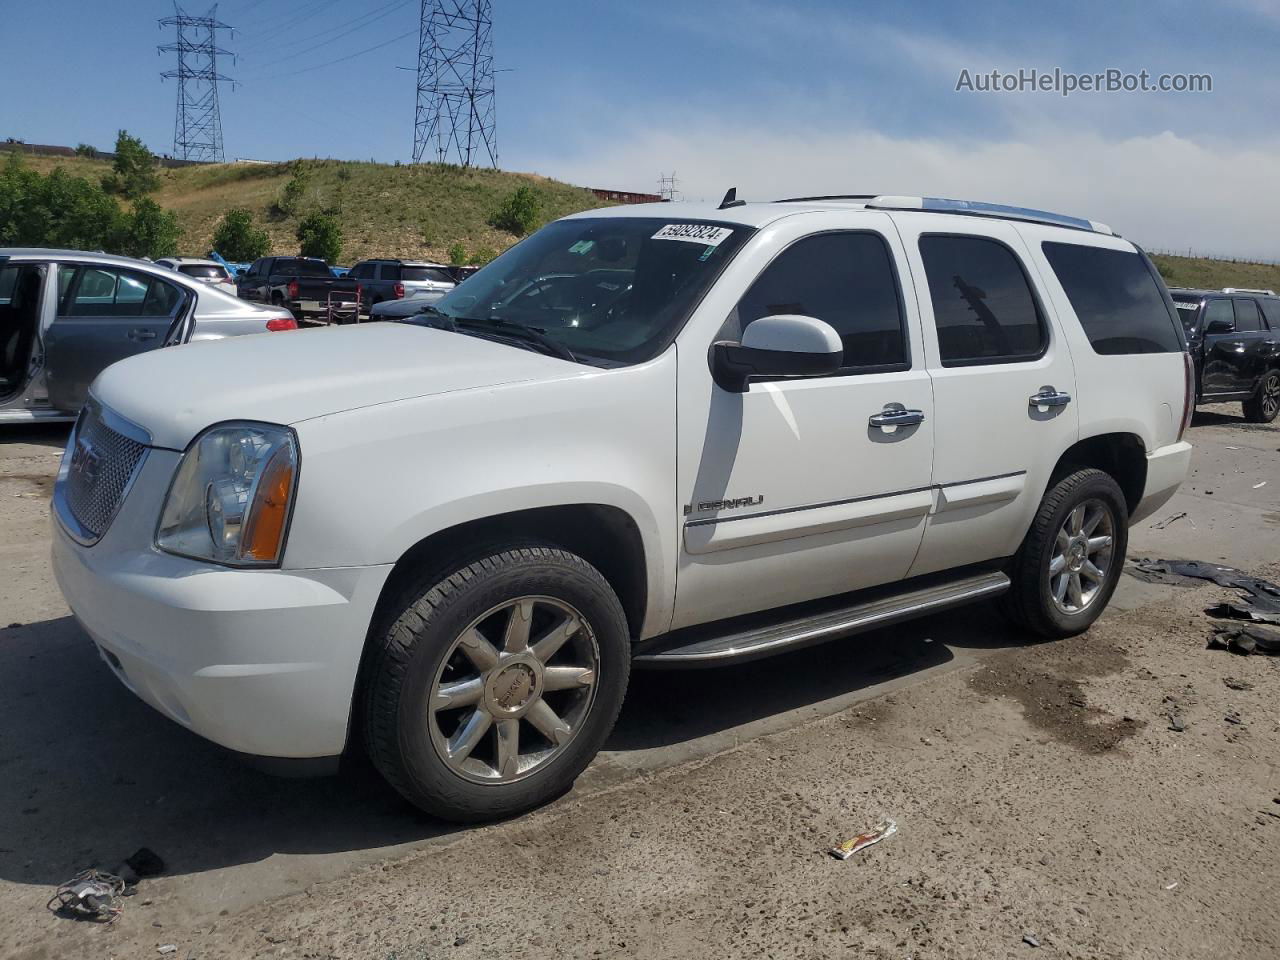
304,286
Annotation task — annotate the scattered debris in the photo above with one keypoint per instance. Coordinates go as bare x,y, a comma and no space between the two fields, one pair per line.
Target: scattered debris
1161,524
91,895
1241,611
1171,886
1233,716
1030,940
1176,723
1234,684
883,830
1258,486
1245,639
167,948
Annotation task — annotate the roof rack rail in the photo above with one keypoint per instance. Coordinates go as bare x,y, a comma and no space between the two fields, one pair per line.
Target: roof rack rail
1264,293
833,196
976,208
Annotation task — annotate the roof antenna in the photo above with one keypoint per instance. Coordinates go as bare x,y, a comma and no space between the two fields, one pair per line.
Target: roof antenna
731,200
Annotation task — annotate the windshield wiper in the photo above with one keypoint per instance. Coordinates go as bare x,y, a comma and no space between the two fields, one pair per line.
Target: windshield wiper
535,337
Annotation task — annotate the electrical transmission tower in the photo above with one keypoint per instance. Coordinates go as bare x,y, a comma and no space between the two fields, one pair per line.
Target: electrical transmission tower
668,187
455,121
197,128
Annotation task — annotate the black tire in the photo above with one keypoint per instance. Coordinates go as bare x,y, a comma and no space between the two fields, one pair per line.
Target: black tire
1264,405
1030,602
413,651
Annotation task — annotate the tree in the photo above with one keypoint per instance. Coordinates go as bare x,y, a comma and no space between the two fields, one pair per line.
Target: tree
135,169
519,213
148,231
237,239
320,236
294,191
54,210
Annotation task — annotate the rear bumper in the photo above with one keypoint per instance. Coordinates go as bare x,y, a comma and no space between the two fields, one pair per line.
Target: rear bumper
1167,467
262,662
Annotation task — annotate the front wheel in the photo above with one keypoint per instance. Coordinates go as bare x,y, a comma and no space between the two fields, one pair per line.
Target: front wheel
1264,406
495,686
1068,566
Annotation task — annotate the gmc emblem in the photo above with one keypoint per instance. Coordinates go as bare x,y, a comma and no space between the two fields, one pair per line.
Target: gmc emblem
85,462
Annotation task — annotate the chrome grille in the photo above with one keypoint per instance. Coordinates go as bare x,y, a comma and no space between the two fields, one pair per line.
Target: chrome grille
101,463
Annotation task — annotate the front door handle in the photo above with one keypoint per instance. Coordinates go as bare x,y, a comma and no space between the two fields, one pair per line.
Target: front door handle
1049,397
896,415
141,333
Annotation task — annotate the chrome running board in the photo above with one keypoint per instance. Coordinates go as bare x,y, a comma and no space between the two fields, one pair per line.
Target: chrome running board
694,648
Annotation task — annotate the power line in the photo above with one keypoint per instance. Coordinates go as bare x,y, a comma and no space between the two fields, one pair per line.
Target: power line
343,30
197,126
455,118
329,63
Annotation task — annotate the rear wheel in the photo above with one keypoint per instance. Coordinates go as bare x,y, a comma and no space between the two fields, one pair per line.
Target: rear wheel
1264,406
1064,573
496,685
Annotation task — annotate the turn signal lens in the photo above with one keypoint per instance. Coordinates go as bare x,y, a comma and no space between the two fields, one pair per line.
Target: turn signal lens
269,513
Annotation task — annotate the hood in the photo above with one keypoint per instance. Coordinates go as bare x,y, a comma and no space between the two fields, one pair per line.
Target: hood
290,376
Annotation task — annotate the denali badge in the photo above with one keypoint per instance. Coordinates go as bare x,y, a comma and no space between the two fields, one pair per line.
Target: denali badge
724,504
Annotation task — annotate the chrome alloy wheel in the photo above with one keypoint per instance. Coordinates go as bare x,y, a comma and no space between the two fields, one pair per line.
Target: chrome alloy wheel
1271,396
1082,556
514,690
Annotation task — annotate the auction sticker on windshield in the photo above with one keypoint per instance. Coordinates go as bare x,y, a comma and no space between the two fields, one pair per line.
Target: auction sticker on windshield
702,233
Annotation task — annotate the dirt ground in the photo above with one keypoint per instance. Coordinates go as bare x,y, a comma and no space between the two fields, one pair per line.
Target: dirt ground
1042,794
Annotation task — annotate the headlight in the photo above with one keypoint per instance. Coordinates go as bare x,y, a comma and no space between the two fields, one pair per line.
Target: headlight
231,497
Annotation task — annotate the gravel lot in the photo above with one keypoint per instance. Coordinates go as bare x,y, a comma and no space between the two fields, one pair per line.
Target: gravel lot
1039,790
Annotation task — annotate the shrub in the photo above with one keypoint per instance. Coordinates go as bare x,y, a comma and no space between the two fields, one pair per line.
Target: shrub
84,150
55,210
236,237
148,231
294,191
320,235
134,169
519,213
457,254
481,257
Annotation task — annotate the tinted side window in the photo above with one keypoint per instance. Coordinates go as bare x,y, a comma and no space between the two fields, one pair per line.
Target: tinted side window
1271,313
1115,298
1216,310
846,279
982,303
389,271
1247,319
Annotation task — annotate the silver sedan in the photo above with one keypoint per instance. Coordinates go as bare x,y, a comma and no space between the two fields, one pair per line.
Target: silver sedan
65,315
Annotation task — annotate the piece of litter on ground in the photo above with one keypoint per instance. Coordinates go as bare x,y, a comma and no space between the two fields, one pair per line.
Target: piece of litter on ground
884,829
1170,886
1030,940
91,895
167,948
1262,484
1160,525
1233,448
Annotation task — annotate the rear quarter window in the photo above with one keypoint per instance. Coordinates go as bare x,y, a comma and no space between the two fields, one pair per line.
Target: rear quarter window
1116,298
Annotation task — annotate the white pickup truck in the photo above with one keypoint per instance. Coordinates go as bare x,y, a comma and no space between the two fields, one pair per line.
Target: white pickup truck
451,539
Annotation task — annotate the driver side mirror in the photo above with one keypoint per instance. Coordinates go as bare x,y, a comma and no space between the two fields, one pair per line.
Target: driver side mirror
1220,326
784,345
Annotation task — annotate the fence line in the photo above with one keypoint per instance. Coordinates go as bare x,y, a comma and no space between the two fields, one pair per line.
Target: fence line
1191,253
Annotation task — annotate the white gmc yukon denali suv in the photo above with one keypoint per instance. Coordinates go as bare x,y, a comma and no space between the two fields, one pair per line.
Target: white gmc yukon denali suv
664,436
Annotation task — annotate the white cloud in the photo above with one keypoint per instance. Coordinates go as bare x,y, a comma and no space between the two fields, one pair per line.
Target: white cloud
1164,191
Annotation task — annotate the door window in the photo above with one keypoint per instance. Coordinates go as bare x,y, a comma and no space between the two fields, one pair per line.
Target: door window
104,292
983,306
1115,297
1219,310
1247,318
846,280
389,271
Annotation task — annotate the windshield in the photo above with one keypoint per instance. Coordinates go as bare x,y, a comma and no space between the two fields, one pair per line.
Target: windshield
425,273
210,271
610,288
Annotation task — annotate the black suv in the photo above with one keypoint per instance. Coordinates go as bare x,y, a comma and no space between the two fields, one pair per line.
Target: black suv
1234,339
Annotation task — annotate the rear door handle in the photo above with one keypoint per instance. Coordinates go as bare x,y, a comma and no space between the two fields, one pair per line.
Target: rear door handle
141,333
896,415
1049,398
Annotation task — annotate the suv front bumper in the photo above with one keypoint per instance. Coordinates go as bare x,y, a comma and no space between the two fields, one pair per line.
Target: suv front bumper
262,662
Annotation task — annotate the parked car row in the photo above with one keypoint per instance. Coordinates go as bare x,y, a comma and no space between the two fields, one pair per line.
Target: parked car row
66,315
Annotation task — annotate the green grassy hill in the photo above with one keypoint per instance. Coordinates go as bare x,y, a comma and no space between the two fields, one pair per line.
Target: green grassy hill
385,211
1216,274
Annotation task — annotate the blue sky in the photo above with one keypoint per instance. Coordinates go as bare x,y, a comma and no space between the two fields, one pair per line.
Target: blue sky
777,99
